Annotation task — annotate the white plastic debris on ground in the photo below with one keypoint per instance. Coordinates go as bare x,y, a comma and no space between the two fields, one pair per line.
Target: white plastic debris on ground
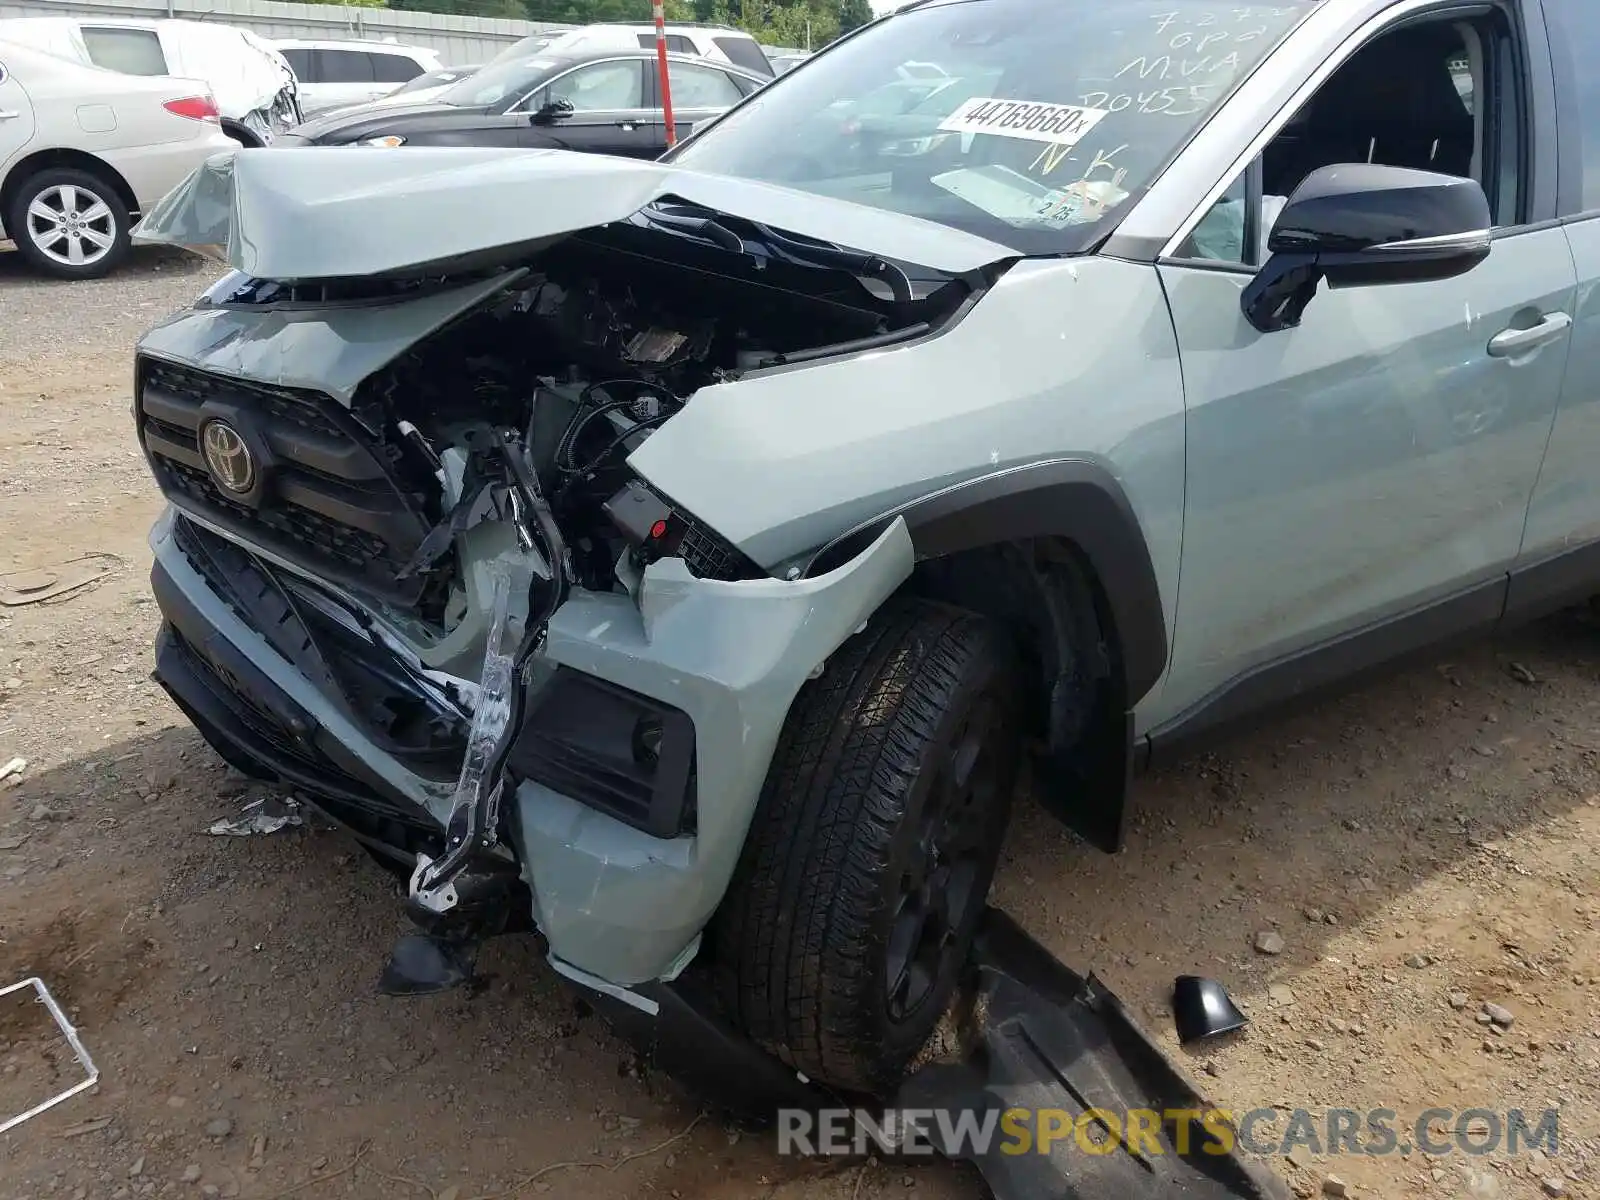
266,815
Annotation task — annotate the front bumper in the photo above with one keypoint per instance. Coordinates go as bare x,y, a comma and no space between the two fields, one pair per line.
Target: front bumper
615,903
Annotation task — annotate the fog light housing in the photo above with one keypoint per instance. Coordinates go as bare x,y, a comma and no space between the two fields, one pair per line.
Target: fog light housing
627,755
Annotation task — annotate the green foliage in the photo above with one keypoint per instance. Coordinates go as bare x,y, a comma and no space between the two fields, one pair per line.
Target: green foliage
853,14
776,22
587,12
380,4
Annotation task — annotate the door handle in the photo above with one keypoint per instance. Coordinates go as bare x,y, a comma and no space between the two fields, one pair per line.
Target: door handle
625,126
1512,343
8,114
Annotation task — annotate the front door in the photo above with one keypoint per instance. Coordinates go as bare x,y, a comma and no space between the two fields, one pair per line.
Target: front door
1374,464
608,113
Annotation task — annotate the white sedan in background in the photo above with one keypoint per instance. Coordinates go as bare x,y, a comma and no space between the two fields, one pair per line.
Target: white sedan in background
83,150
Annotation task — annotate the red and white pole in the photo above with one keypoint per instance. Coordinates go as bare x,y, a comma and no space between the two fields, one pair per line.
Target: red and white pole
658,9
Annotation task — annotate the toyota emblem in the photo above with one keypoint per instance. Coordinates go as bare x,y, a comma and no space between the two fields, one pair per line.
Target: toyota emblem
231,463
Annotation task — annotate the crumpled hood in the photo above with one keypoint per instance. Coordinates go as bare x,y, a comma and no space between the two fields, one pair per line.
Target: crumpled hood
325,213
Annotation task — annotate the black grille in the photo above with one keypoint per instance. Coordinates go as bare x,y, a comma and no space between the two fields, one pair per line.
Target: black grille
329,495
355,548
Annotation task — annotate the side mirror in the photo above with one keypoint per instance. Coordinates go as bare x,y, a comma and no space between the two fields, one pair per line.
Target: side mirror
1358,224
553,111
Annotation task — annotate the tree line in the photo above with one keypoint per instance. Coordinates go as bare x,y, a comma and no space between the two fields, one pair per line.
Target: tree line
801,23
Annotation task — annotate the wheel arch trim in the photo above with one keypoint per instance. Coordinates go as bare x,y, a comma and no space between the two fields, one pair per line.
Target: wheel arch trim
64,158
1076,499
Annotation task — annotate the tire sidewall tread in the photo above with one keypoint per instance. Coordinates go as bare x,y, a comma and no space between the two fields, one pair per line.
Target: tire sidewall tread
799,943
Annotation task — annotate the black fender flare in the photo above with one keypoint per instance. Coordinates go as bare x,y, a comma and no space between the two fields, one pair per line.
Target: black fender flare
1075,499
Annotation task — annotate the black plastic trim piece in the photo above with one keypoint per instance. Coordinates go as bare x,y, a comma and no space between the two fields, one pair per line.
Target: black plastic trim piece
225,694
1342,661
689,1039
1069,498
207,701
581,738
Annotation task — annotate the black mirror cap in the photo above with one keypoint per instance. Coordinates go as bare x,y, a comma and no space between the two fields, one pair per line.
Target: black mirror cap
553,110
1201,1009
1355,224
1370,223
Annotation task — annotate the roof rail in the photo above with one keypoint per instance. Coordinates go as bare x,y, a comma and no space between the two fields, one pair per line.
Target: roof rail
685,25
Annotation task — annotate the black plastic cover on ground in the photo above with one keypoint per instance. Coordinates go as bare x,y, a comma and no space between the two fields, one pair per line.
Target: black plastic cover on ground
1040,1038
1044,1039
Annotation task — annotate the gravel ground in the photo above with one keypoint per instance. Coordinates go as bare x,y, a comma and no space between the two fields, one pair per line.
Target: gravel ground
1365,877
45,319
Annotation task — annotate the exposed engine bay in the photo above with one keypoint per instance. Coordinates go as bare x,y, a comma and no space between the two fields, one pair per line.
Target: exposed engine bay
527,408
490,457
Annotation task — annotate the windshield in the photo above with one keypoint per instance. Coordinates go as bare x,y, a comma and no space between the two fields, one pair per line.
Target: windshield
497,83
1023,122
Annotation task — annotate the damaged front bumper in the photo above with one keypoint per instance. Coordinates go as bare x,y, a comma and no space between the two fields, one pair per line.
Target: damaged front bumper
618,905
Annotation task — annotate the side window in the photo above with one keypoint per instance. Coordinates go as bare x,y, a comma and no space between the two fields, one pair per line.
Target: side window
744,52
300,63
1574,27
701,87
1440,96
394,68
128,51
601,87
676,42
343,66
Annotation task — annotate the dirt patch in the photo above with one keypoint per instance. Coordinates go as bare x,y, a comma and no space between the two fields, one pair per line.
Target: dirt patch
1423,847
93,962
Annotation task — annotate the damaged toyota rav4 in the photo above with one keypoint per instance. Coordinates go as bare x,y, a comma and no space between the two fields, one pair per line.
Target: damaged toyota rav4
684,559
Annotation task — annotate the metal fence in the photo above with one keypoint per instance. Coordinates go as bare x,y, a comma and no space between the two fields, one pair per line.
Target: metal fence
456,38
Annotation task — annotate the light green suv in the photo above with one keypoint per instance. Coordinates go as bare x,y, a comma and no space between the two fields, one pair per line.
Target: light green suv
684,558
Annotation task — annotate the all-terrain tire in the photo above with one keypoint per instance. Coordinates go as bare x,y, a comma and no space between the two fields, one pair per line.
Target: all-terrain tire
867,762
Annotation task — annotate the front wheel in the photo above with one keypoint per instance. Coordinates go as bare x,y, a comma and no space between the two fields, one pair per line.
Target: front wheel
870,855
69,223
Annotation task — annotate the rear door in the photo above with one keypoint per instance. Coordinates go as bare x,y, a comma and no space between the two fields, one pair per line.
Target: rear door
609,113
342,77
700,91
1560,559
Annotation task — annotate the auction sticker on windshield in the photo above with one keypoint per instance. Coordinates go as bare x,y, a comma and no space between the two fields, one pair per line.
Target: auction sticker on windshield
1059,124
